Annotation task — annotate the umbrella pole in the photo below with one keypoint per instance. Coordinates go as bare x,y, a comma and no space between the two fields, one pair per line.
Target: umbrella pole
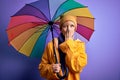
66,69
51,28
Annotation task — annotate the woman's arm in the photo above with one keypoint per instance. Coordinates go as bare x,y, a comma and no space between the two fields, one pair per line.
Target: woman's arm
45,67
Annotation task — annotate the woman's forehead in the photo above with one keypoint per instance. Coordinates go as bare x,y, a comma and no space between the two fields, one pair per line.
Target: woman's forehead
68,22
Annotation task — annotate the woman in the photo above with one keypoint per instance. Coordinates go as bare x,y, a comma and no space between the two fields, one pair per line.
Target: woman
69,52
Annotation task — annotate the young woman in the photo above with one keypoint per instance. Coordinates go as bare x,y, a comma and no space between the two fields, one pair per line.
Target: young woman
70,53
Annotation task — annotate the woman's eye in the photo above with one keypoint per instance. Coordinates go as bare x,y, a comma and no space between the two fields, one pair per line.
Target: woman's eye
72,25
64,26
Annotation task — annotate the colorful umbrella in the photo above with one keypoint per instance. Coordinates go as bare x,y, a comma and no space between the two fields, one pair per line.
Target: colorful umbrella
29,29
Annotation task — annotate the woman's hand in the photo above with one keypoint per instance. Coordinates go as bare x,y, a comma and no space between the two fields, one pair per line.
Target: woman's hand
56,67
69,34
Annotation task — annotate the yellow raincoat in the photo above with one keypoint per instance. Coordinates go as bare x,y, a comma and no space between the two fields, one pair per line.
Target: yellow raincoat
76,59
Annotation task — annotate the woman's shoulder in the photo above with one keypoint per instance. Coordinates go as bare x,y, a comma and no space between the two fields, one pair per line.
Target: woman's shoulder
78,40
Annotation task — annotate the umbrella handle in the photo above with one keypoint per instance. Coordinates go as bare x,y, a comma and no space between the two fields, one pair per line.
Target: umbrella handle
64,75
66,69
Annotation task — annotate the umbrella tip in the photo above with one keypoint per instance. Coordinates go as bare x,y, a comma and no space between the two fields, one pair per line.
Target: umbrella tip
50,22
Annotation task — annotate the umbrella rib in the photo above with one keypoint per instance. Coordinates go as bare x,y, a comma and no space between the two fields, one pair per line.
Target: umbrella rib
49,9
67,10
85,17
36,41
84,33
75,8
21,24
20,32
48,34
85,27
56,30
86,38
29,38
40,11
26,30
33,15
57,9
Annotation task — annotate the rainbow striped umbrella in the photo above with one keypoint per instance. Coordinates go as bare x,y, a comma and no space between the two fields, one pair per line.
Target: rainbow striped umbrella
29,29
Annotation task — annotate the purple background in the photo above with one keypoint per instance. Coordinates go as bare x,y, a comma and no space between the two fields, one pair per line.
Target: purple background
102,50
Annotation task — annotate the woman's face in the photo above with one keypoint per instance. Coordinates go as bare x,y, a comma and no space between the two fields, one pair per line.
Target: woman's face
68,26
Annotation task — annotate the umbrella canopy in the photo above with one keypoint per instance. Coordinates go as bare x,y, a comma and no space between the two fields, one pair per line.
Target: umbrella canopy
29,28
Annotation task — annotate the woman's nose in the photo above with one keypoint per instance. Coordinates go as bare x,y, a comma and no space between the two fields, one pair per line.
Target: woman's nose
68,29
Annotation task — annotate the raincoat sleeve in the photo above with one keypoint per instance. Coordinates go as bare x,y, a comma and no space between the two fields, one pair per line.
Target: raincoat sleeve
45,67
76,58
